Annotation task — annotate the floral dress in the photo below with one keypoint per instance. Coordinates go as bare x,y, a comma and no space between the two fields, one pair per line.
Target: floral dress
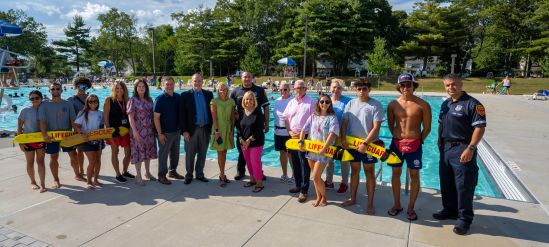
142,112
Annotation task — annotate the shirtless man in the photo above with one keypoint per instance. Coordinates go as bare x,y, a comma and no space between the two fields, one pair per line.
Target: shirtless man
405,117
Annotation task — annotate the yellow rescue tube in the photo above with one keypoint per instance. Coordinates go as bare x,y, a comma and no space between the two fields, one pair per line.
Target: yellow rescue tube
93,135
315,146
374,150
37,136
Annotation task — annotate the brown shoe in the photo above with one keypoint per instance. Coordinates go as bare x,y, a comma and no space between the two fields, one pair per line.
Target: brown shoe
164,181
175,175
302,198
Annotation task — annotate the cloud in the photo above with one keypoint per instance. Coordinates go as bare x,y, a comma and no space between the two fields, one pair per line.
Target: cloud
45,8
55,31
91,10
157,12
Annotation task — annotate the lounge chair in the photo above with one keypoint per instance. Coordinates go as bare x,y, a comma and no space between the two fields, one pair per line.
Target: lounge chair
540,95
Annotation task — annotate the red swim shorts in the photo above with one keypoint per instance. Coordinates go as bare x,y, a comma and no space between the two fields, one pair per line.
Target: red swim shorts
122,141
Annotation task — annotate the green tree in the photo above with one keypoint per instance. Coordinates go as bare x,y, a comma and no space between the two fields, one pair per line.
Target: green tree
77,42
252,61
380,60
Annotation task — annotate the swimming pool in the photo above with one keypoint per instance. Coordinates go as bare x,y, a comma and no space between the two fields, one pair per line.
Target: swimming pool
429,173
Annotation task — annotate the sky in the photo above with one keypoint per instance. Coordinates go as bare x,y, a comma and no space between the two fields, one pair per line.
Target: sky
57,14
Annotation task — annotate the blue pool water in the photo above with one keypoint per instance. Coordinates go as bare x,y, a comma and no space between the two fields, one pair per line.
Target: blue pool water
429,173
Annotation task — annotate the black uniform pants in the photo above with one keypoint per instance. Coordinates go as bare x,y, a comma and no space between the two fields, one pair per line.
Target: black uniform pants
457,181
241,165
301,170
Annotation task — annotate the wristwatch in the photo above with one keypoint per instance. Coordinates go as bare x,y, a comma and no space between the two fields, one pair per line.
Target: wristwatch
472,147
301,142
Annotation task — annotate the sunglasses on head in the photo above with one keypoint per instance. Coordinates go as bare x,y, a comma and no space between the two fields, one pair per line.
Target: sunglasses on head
55,89
405,85
325,102
34,98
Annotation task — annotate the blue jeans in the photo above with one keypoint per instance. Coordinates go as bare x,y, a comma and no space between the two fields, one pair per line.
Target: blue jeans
171,149
302,171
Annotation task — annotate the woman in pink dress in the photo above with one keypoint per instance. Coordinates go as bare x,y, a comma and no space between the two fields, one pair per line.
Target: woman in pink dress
143,145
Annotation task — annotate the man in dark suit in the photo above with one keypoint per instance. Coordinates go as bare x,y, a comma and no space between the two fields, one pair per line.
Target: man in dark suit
196,125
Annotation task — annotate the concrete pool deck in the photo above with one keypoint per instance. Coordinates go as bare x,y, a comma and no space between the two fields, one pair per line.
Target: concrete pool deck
203,214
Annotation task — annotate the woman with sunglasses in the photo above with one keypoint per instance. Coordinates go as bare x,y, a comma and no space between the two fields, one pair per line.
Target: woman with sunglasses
281,133
116,116
91,118
27,123
321,126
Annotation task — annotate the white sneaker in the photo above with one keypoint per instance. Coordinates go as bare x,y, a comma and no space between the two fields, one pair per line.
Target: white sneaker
283,178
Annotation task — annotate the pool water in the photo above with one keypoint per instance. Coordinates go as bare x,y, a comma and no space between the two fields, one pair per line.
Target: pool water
429,173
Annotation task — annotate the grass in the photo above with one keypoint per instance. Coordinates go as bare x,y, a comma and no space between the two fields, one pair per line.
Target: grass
472,85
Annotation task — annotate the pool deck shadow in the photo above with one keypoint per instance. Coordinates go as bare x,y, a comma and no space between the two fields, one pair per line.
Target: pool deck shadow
207,215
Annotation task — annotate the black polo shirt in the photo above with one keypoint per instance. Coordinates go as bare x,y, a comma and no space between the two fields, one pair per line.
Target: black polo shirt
238,93
459,118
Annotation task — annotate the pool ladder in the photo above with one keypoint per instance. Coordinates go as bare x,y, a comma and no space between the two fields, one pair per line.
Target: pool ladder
379,174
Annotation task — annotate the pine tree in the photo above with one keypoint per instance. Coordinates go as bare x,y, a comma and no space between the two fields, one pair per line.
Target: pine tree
77,42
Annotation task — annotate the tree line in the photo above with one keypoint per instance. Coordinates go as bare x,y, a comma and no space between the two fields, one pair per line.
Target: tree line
252,35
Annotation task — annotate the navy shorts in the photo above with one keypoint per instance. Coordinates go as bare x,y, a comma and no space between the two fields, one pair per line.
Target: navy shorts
280,142
413,160
53,148
92,146
361,157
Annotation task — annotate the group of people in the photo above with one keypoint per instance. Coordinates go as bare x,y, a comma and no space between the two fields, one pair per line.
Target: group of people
208,122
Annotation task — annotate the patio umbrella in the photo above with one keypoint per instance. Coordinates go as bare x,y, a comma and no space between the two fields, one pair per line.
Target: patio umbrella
9,29
105,64
286,61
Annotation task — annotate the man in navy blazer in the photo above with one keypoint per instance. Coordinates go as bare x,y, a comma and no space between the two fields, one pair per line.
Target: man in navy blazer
196,125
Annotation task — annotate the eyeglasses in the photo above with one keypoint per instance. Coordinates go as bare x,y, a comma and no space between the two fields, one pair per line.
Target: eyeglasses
56,89
93,102
284,89
299,88
34,98
362,89
405,85
326,102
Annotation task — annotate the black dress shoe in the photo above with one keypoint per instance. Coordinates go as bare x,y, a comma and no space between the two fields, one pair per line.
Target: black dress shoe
239,176
175,175
188,180
461,228
128,175
444,215
203,179
295,190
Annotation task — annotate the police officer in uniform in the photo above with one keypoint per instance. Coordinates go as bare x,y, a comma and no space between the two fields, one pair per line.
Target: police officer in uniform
462,121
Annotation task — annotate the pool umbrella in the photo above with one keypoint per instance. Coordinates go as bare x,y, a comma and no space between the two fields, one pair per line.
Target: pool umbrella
105,64
9,29
286,61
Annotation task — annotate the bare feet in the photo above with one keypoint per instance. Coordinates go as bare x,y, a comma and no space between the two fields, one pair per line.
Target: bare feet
370,211
97,184
56,185
91,187
43,189
150,177
79,178
316,202
139,181
323,203
34,186
348,203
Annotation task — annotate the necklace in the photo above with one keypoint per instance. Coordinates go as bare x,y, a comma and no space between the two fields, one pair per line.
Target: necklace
320,123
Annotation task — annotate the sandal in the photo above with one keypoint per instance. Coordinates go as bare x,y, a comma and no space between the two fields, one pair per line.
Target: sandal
258,189
222,181
394,211
412,215
249,184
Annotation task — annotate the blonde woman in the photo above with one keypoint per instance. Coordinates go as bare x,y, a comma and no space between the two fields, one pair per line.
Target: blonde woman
223,115
252,139
116,116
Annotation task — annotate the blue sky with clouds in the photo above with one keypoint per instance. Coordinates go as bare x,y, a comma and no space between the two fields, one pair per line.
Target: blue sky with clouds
56,14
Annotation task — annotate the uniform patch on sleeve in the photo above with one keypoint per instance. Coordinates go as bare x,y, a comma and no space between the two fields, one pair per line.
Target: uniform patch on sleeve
480,110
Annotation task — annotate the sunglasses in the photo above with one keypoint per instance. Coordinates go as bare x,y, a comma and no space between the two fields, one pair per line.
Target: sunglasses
82,87
362,89
55,89
405,85
93,101
325,102
34,98
284,89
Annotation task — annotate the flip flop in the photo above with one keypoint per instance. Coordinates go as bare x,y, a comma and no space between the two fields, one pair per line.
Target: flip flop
249,184
412,215
394,211
258,189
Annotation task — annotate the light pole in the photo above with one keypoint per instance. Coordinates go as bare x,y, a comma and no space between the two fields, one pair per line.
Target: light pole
211,68
153,50
453,63
305,47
